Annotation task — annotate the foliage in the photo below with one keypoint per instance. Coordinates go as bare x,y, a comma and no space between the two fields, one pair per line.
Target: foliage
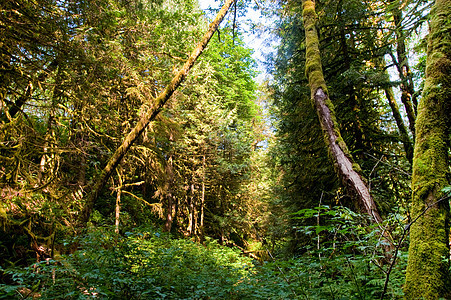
92,69
147,263
144,264
226,162
344,259
352,45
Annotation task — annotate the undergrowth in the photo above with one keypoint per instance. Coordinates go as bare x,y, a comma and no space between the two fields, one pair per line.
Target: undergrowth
147,264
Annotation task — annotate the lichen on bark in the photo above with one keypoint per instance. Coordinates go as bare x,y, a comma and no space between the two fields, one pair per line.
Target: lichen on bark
427,275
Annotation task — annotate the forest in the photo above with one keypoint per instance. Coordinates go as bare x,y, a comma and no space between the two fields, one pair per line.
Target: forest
142,155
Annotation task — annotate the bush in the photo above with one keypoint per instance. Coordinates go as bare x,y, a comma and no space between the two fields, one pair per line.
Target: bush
147,264
144,264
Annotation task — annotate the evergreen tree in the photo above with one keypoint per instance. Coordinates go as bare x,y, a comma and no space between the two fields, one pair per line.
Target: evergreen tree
351,50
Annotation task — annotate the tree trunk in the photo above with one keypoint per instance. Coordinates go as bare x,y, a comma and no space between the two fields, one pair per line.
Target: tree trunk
192,212
150,115
343,162
169,195
402,129
408,147
427,275
118,206
407,90
202,202
169,213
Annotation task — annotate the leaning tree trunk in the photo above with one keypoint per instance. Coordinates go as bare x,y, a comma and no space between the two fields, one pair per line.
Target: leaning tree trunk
427,275
344,165
407,143
151,114
389,94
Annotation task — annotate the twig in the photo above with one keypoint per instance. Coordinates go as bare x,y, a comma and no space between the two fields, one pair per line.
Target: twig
369,176
258,5
391,165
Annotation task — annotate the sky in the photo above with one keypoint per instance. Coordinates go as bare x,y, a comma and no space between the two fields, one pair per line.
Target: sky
253,40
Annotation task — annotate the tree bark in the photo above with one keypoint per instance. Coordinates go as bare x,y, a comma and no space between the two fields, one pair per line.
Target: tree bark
427,275
202,202
402,129
192,212
343,162
118,202
408,147
169,212
170,203
150,115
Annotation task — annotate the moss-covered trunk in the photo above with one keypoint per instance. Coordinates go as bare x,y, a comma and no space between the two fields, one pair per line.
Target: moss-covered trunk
343,162
427,274
150,115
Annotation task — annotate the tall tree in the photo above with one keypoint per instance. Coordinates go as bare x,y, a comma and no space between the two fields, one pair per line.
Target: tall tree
427,274
151,114
349,37
215,110
408,97
343,162
403,133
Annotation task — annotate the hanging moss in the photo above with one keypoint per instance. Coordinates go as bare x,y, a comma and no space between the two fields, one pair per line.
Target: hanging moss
428,265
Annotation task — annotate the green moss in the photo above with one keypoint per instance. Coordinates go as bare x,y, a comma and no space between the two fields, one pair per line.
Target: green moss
313,67
308,9
427,274
357,167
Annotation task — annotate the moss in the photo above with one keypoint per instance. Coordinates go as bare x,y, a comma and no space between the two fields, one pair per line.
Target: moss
314,71
357,167
313,66
427,273
308,9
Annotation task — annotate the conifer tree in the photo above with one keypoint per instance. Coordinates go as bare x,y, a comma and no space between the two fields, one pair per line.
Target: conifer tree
150,115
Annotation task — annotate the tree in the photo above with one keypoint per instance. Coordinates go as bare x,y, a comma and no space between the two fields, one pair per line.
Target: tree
343,162
404,24
351,45
428,264
215,113
150,115
404,135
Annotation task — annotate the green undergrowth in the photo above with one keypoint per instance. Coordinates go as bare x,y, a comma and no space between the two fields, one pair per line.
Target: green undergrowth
144,264
147,264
